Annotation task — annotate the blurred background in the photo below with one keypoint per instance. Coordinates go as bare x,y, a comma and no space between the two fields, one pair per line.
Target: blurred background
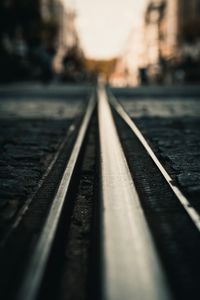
129,43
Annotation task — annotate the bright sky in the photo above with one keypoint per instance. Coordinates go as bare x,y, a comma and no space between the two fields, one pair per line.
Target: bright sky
104,25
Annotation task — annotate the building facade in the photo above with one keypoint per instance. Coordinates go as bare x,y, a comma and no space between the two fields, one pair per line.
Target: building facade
172,33
160,30
53,13
68,61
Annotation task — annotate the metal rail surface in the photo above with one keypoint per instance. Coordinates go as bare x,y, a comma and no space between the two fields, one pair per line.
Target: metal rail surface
131,268
36,267
191,211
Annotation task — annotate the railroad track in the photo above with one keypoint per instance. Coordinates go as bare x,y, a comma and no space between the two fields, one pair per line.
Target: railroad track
118,227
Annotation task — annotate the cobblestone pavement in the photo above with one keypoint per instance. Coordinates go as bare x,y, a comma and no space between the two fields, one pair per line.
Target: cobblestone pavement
172,126
31,130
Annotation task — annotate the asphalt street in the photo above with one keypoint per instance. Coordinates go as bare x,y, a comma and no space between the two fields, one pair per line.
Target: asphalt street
34,121
171,124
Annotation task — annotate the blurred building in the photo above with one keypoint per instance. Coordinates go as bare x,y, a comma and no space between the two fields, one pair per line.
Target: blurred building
187,19
68,39
172,34
64,16
36,38
121,75
131,59
160,34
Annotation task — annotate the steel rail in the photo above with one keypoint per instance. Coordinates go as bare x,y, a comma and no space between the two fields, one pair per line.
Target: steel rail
190,210
38,261
131,268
